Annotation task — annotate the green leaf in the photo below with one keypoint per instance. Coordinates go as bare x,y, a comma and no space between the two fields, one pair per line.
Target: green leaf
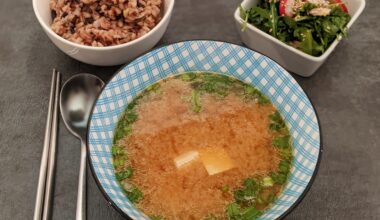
124,174
291,23
260,12
273,18
250,183
275,127
134,102
235,212
214,84
134,194
306,38
244,15
277,122
130,117
196,101
276,117
329,27
119,162
279,178
251,213
286,153
284,167
124,126
256,94
247,195
117,150
282,142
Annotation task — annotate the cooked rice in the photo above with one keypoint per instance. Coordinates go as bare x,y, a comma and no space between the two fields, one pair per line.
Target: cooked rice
102,23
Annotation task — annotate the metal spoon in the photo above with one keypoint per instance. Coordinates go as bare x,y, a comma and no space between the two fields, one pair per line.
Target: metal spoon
78,95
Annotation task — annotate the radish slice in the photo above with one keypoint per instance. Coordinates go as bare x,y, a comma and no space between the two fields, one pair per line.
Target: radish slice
286,8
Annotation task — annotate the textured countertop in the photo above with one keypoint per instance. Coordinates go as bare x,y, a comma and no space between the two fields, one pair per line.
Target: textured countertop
345,92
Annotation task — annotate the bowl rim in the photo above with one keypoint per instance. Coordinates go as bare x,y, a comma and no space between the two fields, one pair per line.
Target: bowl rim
125,215
50,32
300,53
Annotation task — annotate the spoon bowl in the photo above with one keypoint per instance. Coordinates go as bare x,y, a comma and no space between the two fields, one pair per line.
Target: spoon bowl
78,95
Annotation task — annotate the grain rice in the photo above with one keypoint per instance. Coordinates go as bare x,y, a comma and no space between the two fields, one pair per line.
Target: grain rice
104,22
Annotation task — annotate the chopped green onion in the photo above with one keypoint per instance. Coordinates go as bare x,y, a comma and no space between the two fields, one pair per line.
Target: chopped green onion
188,76
134,194
124,174
118,162
117,151
196,101
282,142
267,181
225,188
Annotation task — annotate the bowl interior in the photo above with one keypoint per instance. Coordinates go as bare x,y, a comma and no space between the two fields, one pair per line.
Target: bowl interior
236,61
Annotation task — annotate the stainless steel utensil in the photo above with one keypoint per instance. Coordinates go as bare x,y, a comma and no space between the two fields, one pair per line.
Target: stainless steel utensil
78,95
47,167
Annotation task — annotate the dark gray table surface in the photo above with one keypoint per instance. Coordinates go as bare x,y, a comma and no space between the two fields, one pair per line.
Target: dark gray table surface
345,92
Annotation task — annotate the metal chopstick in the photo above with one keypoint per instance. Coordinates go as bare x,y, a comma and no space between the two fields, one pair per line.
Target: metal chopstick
45,151
52,152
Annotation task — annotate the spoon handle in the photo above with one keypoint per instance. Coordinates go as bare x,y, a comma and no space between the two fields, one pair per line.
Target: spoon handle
81,199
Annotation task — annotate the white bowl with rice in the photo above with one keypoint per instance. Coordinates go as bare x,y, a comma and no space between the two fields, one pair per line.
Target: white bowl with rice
104,32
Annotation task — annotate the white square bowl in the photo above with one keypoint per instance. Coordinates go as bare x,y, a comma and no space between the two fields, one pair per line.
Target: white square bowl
287,56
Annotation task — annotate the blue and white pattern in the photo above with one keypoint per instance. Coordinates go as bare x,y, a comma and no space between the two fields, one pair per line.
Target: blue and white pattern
239,62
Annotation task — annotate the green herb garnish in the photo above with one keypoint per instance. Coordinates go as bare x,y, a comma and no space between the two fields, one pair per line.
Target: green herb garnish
267,181
124,126
134,194
286,153
279,178
213,83
225,188
124,174
277,123
196,101
188,77
117,151
235,212
153,87
119,162
248,194
256,94
282,142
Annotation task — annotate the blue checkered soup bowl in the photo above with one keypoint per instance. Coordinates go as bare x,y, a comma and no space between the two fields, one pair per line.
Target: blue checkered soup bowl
207,56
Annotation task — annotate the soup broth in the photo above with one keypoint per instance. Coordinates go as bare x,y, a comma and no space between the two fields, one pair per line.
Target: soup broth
202,146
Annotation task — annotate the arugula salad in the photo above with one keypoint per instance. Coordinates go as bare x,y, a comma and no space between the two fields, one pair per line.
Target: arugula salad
308,25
